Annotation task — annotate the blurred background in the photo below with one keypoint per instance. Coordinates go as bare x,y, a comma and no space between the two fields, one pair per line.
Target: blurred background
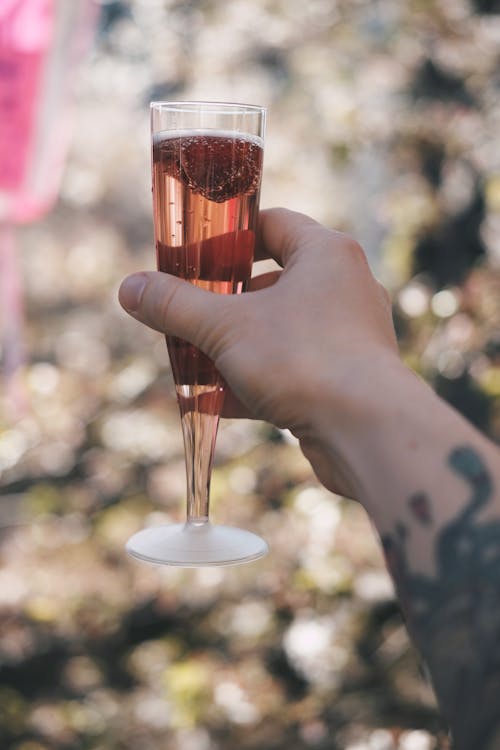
384,121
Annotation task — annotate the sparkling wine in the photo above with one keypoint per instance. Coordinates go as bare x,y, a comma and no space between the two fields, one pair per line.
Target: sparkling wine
205,194
206,180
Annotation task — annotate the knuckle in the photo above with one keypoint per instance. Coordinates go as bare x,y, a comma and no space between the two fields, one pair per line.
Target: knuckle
161,302
354,248
385,294
221,339
217,332
347,244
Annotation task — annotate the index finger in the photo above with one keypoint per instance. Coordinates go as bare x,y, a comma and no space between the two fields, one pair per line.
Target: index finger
281,232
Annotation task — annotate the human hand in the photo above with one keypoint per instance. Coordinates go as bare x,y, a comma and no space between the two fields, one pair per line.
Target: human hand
301,347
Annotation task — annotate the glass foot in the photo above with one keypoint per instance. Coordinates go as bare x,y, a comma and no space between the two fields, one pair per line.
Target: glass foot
196,545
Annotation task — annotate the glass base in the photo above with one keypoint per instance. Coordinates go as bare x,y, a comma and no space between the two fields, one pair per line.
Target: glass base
192,545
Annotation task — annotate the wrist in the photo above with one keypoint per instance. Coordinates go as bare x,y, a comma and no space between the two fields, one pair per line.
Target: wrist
362,397
373,425
344,411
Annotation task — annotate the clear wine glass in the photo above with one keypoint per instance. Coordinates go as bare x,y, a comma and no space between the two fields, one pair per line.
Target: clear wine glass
207,168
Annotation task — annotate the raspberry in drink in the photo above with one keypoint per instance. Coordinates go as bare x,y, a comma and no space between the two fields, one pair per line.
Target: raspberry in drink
206,194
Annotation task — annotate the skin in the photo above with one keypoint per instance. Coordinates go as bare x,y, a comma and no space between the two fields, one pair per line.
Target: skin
312,348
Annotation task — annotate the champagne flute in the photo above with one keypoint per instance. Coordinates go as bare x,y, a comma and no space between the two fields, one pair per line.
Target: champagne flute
207,168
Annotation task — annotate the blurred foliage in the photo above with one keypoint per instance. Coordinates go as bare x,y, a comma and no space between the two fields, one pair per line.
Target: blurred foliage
383,120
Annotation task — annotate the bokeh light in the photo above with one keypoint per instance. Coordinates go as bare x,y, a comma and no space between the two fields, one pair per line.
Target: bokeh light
383,121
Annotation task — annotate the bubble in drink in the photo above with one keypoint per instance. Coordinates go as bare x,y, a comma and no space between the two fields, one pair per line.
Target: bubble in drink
216,166
206,195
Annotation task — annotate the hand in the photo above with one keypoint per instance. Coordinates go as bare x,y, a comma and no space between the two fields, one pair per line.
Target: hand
312,348
303,343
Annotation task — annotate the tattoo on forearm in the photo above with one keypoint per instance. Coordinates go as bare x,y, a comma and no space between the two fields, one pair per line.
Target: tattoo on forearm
420,508
454,615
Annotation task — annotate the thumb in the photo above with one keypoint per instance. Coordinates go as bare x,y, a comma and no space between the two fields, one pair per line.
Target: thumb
175,307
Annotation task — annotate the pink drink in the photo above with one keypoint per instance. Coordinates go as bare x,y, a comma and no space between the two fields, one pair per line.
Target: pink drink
206,195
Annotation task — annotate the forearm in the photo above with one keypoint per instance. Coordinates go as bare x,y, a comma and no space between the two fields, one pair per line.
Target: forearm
431,483
328,369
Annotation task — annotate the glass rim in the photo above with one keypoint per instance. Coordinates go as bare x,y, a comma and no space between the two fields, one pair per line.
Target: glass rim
193,105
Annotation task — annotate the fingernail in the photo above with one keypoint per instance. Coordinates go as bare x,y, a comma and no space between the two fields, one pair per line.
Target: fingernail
131,291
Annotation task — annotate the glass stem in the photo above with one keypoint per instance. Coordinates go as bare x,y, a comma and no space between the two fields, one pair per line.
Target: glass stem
199,430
